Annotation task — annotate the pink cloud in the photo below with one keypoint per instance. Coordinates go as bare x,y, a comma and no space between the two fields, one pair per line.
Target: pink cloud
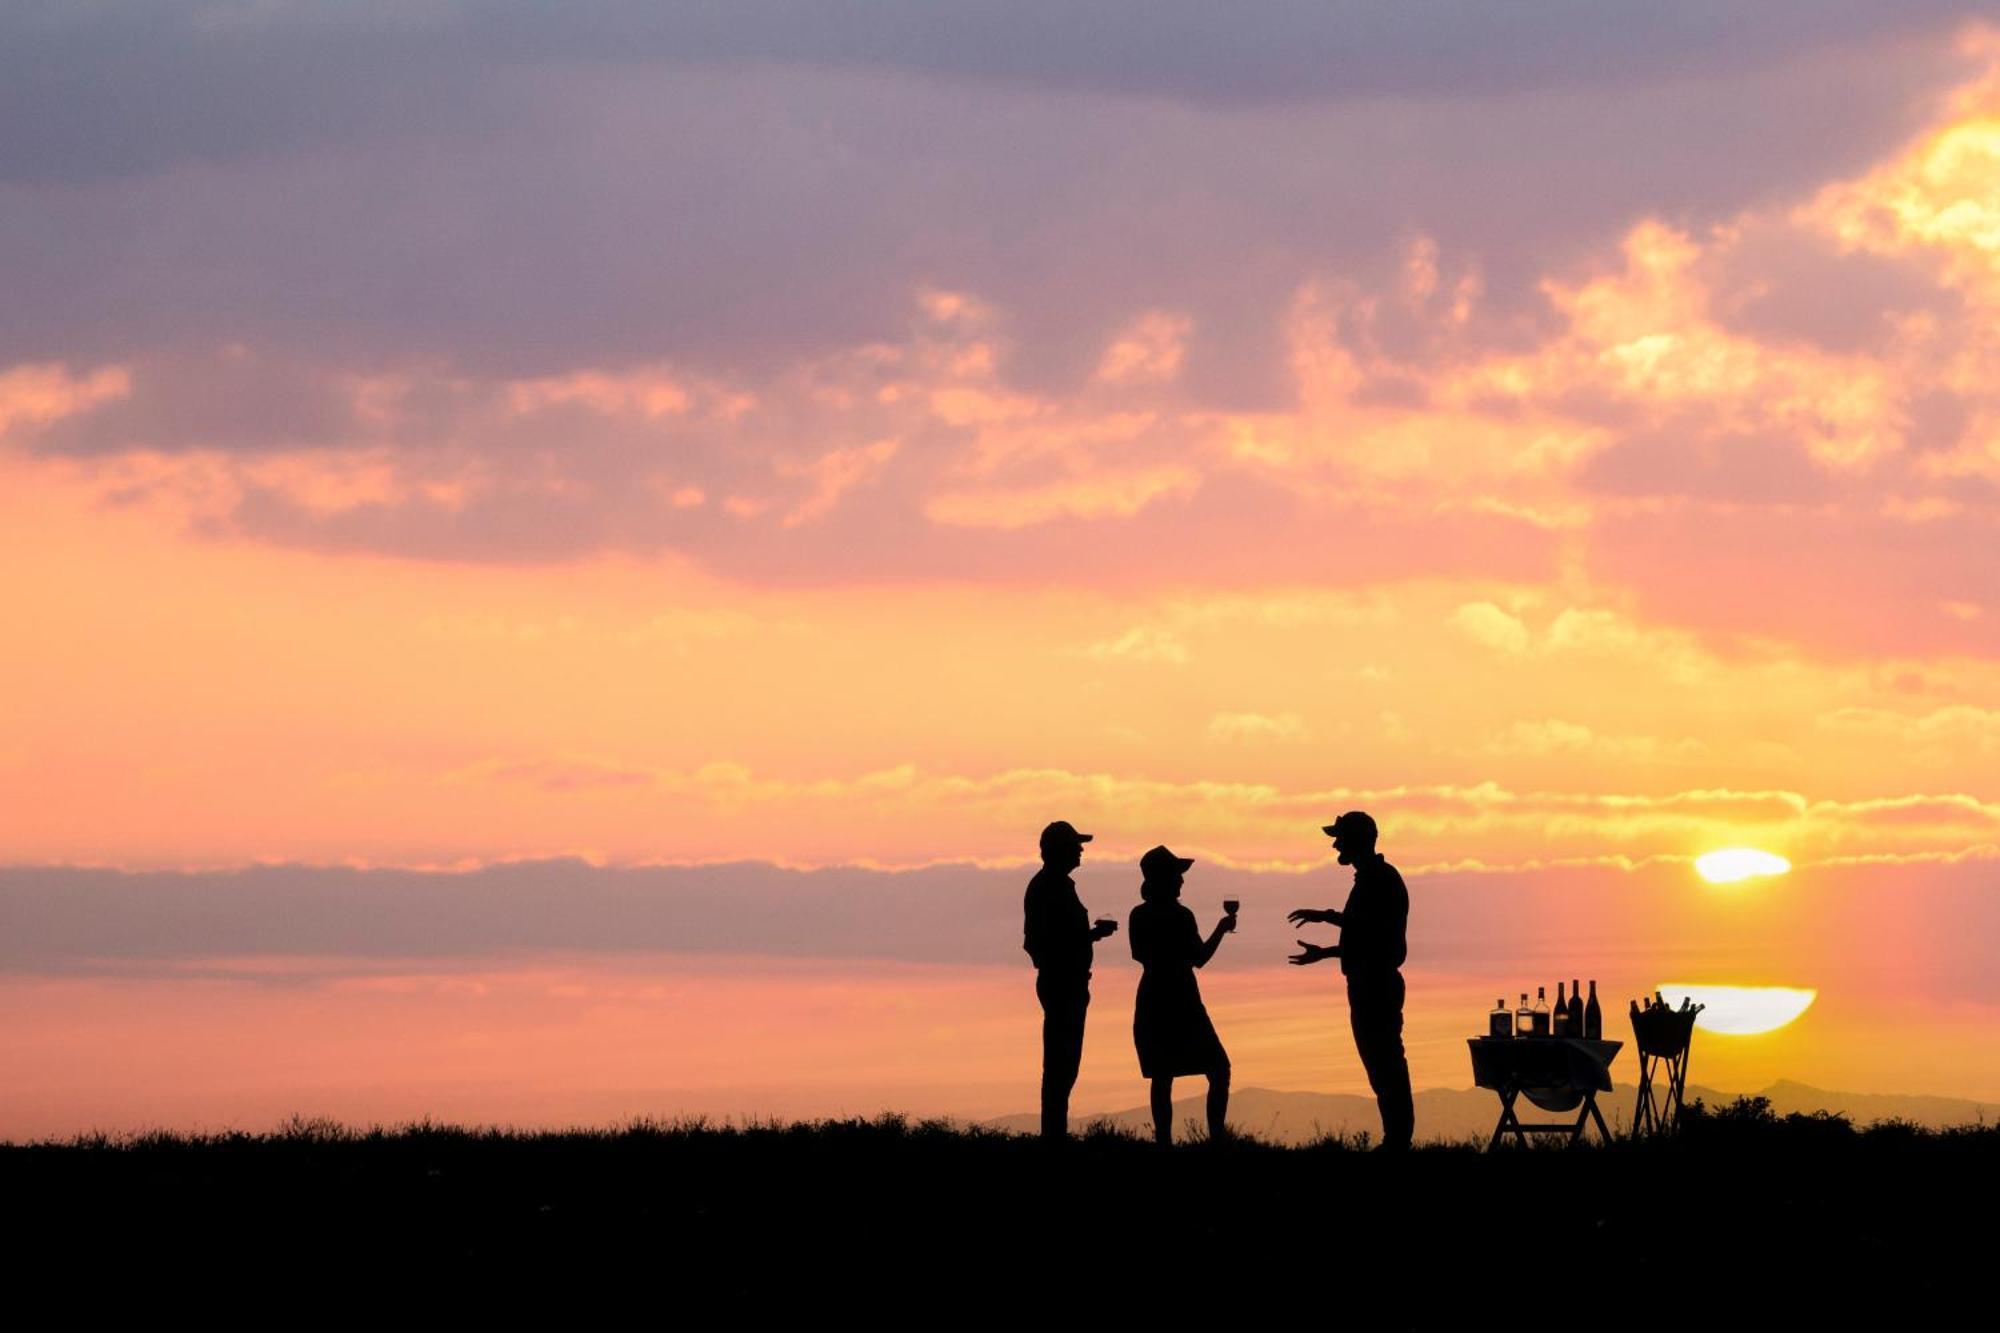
1685,407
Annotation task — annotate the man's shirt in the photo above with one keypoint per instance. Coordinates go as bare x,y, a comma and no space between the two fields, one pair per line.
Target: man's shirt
1375,923
1055,929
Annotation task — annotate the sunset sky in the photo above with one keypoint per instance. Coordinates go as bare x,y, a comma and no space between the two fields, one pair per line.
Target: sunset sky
557,557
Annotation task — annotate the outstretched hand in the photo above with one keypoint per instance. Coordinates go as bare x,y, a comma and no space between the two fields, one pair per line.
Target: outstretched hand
1310,953
1103,928
1306,916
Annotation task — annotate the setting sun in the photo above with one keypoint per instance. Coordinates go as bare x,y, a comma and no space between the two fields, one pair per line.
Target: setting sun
1742,1011
1732,865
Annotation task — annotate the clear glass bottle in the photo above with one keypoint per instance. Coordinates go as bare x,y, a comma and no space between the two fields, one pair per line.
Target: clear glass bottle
1540,1013
1500,1023
1524,1018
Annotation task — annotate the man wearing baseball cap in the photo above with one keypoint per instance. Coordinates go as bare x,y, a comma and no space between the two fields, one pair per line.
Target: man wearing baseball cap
1058,935
1373,943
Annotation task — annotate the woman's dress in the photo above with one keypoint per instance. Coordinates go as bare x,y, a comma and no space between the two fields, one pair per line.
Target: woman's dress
1170,1025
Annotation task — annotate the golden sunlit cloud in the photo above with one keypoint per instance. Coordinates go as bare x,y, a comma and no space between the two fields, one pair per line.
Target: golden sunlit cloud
1741,1011
1732,865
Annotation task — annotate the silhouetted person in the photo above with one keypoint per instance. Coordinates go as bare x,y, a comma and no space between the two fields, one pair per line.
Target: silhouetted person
1058,934
1170,1025
1373,943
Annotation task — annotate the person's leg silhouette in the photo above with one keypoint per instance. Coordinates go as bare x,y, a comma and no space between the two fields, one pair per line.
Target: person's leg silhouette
1163,1110
1218,1103
1375,1009
1065,1002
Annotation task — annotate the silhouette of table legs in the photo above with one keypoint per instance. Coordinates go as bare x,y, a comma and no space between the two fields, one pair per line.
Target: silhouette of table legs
1559,1074
1510,1123
1660,1112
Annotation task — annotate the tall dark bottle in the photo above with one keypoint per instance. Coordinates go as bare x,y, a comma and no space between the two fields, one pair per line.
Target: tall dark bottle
1593,1017
1559,1018
1575,1007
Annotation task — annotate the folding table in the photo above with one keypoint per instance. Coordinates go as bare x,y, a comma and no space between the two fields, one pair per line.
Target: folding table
1558,1074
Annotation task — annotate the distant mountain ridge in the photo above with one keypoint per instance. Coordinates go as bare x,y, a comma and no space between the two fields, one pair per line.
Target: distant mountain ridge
1451,1114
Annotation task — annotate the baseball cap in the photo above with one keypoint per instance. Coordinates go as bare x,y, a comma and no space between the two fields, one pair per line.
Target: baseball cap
1063,832
1356,822
1159,861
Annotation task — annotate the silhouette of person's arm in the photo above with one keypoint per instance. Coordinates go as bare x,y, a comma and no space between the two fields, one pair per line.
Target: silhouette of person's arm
1313,953
1373,933
1038,929
1055,928
1205,949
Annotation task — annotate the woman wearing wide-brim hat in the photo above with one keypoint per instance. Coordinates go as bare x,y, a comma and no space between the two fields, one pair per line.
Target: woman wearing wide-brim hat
1170,1025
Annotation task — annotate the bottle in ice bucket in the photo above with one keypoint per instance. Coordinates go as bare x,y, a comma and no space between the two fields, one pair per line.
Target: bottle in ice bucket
1540,1013
1559,1017
1593,1017
1575,1007
1524,1018
1500,1023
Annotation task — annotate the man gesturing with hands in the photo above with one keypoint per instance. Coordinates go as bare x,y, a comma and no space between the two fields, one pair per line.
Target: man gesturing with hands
1373,943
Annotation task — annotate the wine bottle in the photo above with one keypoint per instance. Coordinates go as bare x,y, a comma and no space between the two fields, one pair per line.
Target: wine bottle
1541,1011
1500,1023
1575,1007
1593,1017
1559,1017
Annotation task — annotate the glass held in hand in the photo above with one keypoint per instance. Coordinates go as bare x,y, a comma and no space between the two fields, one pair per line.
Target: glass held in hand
1230,906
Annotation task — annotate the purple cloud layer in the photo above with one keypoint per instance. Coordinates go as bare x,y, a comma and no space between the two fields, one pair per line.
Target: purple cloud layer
110,88
71,920
454,248
524,187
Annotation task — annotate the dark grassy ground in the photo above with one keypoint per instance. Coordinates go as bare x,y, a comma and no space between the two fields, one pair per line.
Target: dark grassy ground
1746,1212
